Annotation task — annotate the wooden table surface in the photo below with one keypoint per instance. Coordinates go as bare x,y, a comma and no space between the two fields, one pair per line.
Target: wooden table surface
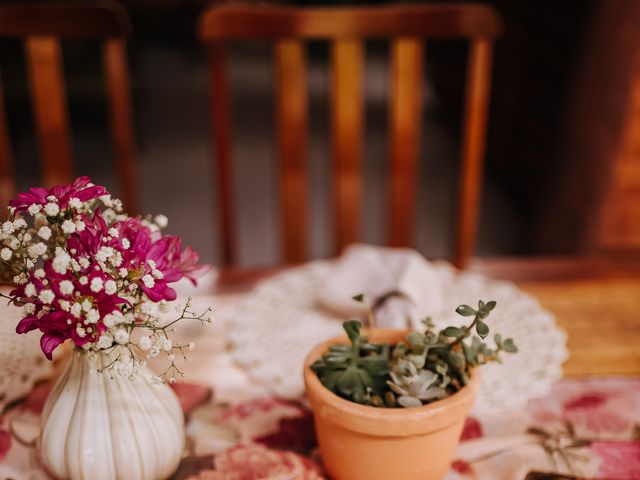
593,299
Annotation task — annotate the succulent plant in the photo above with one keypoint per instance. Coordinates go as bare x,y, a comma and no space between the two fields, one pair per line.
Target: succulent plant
429,366
355,371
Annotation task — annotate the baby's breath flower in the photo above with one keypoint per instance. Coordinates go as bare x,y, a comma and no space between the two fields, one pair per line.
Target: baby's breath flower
30,290
61,261
96,284
29,308
93,316
144,343
166,344
8,227
46,296
86,305
34,209
80,226
104,253
121,336
83,280
149,308
148,281
75,203
162,221
20,223
6,254
68,227
66,287
192,346
110,287
105,341
51,209
126,244
76,310
39,273
123,272
36,249
44,232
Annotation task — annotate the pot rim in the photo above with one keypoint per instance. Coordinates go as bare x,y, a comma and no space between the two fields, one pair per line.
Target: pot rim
388,421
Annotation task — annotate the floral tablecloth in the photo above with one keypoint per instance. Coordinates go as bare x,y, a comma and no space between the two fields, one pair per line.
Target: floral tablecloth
586,428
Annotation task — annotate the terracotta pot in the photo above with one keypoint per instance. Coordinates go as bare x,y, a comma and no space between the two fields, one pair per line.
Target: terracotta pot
363,442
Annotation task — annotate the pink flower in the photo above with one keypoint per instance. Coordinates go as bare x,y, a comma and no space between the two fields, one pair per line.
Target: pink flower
189,265
80,189
249,462
472,429
5,443
619,460
58,324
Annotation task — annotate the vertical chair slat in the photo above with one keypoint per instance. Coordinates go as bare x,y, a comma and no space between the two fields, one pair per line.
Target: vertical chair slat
222,161
7,170
405,126
473,145
114,59
347,136
291,120
49,100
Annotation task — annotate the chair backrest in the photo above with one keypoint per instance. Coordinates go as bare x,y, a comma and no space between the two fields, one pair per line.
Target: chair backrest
42,26
407,27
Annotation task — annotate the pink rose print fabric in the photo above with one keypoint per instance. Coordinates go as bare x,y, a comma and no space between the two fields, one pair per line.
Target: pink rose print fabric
585,429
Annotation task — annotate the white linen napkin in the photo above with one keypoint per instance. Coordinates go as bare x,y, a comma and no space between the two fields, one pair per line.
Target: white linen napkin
399,284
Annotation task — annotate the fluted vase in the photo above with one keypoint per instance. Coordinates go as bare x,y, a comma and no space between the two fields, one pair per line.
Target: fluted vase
102,428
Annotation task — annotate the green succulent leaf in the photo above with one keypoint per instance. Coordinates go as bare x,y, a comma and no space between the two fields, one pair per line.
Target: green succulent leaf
469,354
482,329
490,306
352,327
509,346
359,297
415,338
452,332
466,311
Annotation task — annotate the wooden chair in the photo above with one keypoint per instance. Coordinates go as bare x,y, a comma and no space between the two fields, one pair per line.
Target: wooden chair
407,27
42,26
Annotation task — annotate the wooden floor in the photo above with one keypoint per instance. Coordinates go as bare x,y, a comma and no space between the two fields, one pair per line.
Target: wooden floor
597,301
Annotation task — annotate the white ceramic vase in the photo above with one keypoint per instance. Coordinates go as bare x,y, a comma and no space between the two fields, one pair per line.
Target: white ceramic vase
101,428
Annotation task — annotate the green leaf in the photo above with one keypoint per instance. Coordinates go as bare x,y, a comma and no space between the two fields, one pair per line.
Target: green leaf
498,339
336,358
490,306
482,329
509,346
340,348
359,297
452,332
352,327
350,382
466,311
415,338
469,354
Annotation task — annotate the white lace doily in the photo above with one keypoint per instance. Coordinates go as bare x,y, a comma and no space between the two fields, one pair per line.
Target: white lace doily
22,363
271,330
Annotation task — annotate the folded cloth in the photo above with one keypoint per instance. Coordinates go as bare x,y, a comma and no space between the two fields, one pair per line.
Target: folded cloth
398,284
